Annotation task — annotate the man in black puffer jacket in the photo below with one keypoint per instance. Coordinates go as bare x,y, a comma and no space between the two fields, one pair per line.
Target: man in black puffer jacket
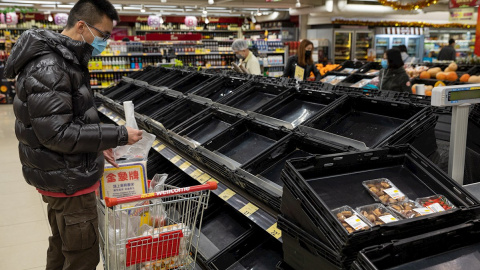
62,144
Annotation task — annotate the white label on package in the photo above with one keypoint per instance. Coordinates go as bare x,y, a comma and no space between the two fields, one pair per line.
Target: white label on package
127,180
356,223
436,207
423,211
394,193
388,218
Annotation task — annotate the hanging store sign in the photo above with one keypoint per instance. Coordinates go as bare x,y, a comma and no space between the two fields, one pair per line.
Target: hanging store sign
461,15
154,21
61,19
191,21
463,3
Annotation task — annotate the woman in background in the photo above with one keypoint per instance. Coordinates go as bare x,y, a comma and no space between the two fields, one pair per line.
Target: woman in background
304,60
393,76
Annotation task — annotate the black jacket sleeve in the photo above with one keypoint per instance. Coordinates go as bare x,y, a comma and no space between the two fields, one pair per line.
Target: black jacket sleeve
316,72
290,67
51,111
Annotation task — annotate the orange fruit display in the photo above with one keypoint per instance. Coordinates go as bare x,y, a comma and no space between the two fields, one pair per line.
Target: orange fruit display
441,76
465,77
425,75
451,76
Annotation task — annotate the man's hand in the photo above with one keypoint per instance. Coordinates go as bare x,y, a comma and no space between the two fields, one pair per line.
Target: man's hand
134,135
110,158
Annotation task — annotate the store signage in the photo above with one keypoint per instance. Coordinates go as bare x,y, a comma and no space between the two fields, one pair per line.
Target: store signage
477,38
142,19
463,3
61,19
461,15
191,21
127,180
10,18
403,31
153,21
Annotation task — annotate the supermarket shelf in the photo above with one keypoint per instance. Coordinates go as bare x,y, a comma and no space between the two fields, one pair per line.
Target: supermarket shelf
193,31
130,54
114,70
278,65
271,52
98,87
342,46
260,217
210,53
217,67
263,30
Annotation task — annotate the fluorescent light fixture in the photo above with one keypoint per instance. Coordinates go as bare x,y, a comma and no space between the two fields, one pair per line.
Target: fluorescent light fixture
329,5
163,1
65,6
156,6
216,8
19,5
298,4
132,8
211,2
265,13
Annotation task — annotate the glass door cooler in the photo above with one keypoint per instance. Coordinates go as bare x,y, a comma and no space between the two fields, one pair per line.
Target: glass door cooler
363,42
343,46
382,44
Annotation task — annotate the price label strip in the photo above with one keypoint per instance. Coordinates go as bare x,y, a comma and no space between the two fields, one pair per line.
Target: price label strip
195,174
204,178
248,209
175,159
227,194
185,166
274,231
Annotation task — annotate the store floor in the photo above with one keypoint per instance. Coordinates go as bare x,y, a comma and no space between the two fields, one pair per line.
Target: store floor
24,228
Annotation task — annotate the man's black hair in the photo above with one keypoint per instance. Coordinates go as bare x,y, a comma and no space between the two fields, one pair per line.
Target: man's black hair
91,11
394,59
451,41
402,48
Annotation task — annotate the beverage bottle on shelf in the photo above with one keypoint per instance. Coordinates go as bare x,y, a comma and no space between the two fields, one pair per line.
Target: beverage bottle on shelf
132,63
138,64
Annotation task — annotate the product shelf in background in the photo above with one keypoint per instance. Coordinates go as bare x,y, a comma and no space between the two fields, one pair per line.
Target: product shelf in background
114,70
259,216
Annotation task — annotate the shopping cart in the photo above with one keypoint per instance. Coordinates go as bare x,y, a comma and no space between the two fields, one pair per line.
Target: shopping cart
153,231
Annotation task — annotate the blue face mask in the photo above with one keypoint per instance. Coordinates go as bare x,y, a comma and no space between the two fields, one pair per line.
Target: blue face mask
384,63
98,44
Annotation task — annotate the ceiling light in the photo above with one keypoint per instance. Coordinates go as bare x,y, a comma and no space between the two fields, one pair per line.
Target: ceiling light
50,18
207,21
211,2
204,11
164,1
259,13
161,19
298,4
142,9
32,2
253,19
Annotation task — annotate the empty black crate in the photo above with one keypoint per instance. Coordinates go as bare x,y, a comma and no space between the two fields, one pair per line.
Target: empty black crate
155,105
270,164
316,185
369,120
172,78
245,140
178,112
193,83
220,88
157,164
296,107
253,97
303,251
119,92
140,96
152,75
354,78
252,253
221,228
454,248
370,68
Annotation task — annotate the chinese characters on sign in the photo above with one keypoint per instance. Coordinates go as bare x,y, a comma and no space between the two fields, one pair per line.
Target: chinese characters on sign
129,179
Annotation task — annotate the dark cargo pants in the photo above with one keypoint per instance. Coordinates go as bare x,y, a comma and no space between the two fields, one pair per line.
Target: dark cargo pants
74,241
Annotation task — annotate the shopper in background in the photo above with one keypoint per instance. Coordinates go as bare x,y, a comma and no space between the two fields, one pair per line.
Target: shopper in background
304,60
62,144
393,76
247,58
448,52
405,57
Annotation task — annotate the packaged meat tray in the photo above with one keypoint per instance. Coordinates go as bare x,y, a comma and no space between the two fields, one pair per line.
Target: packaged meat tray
377,214
384,191
437,203
350,219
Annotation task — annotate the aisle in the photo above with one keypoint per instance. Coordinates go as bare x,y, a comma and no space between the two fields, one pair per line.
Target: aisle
24,229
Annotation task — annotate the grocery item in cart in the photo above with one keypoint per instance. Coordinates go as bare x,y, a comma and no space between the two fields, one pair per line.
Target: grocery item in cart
328,79
437,203
409,209
377,214
337,80
350,219
384,191
361,83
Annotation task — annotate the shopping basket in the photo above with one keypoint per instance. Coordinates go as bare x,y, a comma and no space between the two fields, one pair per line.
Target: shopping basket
153,231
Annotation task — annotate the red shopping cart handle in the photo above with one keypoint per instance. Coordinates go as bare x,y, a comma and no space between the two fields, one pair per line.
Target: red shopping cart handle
210,185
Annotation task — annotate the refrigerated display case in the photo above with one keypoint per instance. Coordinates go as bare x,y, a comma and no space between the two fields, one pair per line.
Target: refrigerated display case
352,44
343,46
363,42
414,44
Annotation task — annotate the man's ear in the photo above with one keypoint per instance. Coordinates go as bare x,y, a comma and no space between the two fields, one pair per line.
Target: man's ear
80,27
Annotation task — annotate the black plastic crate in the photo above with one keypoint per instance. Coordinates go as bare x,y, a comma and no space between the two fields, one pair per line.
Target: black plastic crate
296,107
374,122
152,75
201,128
352,64
157,164
221,228
474,71
140,96
253,97
314,186
221,88
354,78
123,90
454,248
193,83
369,66
178,112
172,78
156,105
303,251
252,253
269,165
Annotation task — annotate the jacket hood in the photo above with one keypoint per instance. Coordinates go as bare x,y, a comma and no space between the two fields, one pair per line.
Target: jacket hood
37,42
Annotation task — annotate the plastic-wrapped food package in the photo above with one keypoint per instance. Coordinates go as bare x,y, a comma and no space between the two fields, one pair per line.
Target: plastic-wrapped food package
377,214
384,191
350,219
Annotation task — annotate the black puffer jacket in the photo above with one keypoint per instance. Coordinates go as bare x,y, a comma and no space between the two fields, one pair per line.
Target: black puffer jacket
57,125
